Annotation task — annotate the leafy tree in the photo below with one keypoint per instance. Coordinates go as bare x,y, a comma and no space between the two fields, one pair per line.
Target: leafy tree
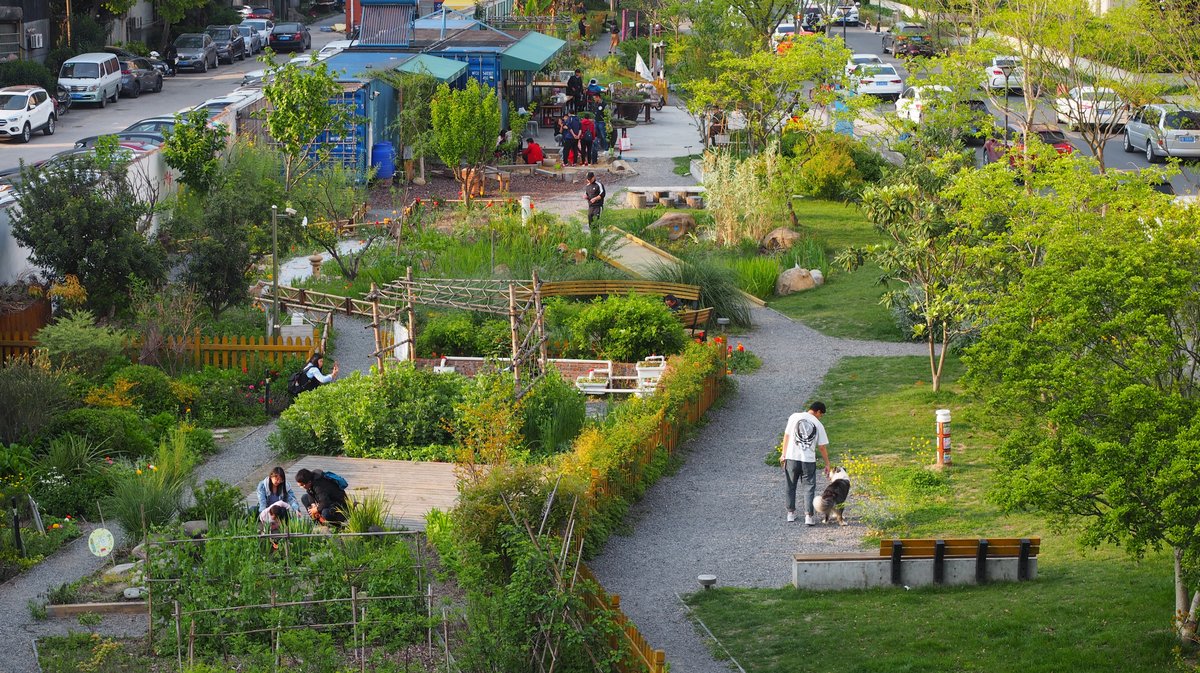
761,16
923,253
1088,354
193,147
329,199
301,112
466,123
764,86
80,216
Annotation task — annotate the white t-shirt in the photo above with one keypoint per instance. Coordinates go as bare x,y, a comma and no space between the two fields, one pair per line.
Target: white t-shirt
807,434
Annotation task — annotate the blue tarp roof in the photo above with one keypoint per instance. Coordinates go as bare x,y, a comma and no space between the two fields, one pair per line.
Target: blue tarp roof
357,64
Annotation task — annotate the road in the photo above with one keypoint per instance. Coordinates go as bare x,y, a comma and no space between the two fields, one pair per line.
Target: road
183,91
861,40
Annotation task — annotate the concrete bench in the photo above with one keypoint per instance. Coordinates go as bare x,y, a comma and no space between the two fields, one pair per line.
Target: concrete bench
920,562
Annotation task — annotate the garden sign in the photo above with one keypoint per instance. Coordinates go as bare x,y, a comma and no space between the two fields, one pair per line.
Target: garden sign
100,542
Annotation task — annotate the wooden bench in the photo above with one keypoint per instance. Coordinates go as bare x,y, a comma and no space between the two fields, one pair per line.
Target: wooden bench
695,319
939,550
594,288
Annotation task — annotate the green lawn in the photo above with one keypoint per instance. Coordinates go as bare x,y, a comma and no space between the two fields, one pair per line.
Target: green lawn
1088,610
848,304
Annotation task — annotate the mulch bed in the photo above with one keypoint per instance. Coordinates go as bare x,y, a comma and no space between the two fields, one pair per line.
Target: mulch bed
537,186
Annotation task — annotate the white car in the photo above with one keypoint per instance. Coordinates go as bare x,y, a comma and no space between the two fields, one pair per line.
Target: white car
25,109
333,48
1004,74
263,27
845,14
916,99
877,80
1091,106
254,43
862,59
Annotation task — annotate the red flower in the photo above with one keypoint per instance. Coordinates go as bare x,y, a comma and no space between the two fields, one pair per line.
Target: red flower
251,386
261,400
740,347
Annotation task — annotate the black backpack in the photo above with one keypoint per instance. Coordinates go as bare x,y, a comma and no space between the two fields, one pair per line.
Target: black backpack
302,382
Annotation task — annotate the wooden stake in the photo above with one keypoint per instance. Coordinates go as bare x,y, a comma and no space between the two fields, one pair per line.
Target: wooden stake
412,318
516,343
540,322
373,295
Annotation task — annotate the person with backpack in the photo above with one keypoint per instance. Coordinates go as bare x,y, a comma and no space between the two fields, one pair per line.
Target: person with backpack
802,436
587,136
324,495
310,376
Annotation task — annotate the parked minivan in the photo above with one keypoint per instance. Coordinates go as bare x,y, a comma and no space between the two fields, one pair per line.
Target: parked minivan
92,78
1164,130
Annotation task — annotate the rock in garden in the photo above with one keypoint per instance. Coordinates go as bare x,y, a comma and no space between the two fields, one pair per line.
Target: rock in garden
677,224
139,551
779,239
818,277
501,271
134,593
120,569
194,529
794,280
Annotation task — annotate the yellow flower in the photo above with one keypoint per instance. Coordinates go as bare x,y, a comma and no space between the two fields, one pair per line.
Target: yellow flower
139,471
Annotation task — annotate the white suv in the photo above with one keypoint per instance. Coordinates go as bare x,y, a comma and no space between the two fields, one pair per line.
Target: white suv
25,109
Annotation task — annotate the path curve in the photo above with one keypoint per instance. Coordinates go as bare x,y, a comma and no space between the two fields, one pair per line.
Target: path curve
722,512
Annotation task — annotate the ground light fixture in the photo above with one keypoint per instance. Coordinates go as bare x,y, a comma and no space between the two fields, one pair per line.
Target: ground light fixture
706,581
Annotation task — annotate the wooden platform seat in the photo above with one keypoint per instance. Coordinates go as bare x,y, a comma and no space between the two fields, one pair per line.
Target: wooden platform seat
916,562
595,288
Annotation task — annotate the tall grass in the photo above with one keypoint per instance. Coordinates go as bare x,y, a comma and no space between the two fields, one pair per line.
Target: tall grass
369,512
756,275
152,494
718,285
806,253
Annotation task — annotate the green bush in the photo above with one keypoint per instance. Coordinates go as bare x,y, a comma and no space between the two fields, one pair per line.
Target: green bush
363,416
628,50
718,285
115,432
553,413
756,275
71,477
626,329
152,496
13,73
463,334
223,399
32,394
215,501
75,340
151,389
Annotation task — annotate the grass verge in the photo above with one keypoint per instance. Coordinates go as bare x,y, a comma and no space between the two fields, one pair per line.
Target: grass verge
1088,610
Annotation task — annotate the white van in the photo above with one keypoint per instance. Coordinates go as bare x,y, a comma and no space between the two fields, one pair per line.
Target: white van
92,78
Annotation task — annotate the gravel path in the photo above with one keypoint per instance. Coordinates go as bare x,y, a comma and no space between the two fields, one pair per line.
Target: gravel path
723,511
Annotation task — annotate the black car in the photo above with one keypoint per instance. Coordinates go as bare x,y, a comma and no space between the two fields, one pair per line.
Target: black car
812,19
231,46
290,36
138,75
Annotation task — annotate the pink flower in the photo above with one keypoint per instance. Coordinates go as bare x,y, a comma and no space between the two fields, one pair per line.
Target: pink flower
251,386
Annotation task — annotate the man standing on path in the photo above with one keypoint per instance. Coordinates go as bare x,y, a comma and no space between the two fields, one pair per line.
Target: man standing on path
804,434
575,90
594,193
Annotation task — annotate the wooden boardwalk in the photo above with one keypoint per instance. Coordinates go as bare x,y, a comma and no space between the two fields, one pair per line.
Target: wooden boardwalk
412,488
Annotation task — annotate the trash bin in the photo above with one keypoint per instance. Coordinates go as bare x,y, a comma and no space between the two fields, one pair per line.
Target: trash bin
383,160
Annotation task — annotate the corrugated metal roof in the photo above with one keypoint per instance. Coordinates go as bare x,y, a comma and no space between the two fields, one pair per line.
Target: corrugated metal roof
358,64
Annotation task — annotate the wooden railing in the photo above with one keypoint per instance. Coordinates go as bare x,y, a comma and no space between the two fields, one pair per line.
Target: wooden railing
225,352
639,654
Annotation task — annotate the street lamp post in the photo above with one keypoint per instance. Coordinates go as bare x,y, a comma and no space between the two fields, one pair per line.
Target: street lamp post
878,14
274,270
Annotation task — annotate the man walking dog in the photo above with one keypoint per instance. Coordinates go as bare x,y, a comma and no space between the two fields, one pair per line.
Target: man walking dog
803,435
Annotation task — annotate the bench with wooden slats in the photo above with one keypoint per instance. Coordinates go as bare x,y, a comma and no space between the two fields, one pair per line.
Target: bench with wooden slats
695,319
592,288
980,549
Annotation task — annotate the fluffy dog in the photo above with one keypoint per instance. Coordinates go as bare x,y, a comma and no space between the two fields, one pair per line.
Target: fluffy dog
832,500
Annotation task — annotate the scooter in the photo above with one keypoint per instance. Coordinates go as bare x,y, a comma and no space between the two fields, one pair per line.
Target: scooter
62,100
165,67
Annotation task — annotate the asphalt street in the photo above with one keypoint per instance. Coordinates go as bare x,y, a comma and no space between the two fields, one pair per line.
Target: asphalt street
180,92
862,40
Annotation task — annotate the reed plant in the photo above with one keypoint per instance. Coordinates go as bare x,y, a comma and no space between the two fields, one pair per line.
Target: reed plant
368,513
718,285
756,275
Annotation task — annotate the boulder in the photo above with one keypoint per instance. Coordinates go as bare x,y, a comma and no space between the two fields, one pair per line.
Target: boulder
120,569
139,551
818,277
794,280
502,271
779,239
678,225
195,529
134,593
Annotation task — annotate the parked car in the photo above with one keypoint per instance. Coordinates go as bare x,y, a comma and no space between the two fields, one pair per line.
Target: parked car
856,60
1163,130
915,100
138,75
907,38
1004,74
254,41
782,32
231,46
263,27
877,80
1091,106
261,13
812,19
237,99
293,36
333,48
1009,142
846,14
25,109
92,78
150,128
196,51
143,142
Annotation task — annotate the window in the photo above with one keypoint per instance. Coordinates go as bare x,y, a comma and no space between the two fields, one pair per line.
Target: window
10,101
1183,120
80,70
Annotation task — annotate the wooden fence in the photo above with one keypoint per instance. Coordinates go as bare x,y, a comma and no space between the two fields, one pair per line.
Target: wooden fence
30,319
643,658
225,352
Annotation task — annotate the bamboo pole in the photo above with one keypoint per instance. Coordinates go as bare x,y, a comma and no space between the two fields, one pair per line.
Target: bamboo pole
516,344
178,637
373,295
540,321
412,317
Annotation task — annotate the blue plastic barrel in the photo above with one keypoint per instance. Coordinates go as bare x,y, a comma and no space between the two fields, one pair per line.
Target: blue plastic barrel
383,160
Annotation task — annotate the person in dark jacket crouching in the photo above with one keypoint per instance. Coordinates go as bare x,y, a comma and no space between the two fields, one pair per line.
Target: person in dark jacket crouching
323,497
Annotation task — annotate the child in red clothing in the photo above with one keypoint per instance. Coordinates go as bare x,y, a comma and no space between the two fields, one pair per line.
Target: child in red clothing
586,138
533,152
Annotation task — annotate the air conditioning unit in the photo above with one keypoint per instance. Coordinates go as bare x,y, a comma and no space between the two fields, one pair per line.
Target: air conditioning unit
35,41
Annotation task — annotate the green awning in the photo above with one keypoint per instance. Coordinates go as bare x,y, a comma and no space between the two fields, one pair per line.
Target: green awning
444,69
531,53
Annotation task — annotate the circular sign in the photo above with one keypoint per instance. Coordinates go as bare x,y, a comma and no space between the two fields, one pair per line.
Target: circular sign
100,542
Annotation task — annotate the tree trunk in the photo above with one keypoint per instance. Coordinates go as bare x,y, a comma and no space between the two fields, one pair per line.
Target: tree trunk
1186,612
934,368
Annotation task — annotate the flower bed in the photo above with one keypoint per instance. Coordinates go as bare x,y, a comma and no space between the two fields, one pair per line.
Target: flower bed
38,545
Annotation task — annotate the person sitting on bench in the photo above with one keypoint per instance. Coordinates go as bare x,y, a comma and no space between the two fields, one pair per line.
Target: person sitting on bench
323,497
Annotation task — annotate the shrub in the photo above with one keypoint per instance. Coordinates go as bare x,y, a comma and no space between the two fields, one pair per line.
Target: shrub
71,477
150,389
152,496
32,394
369,513
718,285
553,412
626,329
221,399
13,73
115,432
215,501
463,334
361,416
75,340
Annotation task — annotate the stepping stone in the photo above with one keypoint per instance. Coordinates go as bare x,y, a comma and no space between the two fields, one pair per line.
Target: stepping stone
121,569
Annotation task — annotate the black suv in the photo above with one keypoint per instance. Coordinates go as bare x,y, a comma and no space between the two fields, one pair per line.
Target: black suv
909,39
812,19
230,43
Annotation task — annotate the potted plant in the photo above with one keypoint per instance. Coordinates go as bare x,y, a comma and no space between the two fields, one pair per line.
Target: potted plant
628,101
654,363
595,382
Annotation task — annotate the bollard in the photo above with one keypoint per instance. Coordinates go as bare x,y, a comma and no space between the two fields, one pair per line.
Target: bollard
943,437
526,209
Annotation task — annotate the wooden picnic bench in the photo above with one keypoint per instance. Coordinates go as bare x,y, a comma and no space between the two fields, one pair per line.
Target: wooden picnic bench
940,550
